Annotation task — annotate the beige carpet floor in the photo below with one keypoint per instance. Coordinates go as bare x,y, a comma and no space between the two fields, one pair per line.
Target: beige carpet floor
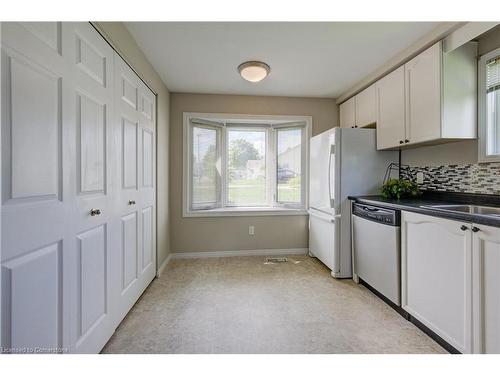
244,305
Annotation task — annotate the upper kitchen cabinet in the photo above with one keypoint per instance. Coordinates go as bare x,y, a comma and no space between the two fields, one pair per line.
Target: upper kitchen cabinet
348,113
360,110
390,93
439,98
365,107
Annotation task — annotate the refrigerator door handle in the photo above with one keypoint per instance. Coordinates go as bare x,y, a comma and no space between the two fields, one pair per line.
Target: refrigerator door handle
332,152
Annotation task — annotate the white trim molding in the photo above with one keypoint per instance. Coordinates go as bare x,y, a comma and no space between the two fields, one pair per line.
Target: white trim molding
164,265
465,34
247,211
240,253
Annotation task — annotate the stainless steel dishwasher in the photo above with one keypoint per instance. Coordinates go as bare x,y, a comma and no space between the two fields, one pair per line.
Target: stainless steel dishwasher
377,252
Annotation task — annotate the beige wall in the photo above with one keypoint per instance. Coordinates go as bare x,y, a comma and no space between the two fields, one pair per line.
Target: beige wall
124,43
231,233
463,152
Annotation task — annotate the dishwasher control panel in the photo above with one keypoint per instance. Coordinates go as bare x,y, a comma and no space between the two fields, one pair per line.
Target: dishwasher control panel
378,214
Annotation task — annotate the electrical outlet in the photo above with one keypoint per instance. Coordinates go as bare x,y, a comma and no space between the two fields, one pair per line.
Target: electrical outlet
251,230
420,177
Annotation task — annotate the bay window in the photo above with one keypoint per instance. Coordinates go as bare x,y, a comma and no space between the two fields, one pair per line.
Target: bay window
236,164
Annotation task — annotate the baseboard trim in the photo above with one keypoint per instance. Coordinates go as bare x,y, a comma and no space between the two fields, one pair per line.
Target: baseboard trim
239,253
163,265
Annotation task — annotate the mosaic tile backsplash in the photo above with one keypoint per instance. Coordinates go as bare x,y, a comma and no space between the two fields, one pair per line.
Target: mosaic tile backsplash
481,178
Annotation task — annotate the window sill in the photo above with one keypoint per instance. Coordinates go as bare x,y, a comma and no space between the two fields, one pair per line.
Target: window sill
247,211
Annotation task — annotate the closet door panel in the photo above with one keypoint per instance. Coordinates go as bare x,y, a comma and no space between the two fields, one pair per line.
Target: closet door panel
91,279
129,251
129,154
37,247
147,238
135,121
95,219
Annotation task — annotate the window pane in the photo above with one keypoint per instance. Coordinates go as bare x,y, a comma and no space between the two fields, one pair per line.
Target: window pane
289,143
205,178
493,122
493,106
246,168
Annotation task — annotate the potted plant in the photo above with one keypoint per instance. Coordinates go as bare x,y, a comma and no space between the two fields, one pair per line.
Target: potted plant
395,188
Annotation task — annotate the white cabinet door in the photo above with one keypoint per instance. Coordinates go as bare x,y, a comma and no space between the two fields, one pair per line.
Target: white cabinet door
390,96
423,95
37,242
134,126
348,113
436,259
486,291
366,113
93,92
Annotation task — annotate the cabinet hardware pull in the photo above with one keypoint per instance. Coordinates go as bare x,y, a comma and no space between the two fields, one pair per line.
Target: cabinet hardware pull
131,203
407,141
463,227
475,229
401,142
95,211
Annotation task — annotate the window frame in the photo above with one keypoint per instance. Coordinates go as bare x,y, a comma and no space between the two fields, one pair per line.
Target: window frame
225,152
224,122
219,141
483,156
304,156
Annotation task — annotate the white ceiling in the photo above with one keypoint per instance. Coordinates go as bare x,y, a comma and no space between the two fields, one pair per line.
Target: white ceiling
306,59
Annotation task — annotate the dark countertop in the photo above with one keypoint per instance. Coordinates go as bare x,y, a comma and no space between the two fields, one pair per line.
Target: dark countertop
433,198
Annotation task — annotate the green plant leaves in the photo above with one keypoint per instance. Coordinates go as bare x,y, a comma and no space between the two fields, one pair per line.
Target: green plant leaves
397,189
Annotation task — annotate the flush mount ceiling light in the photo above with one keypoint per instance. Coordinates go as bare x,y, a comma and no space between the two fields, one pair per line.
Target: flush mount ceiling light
254,71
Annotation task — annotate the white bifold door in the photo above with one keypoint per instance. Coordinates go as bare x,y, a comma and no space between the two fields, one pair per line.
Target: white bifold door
78,211
135,190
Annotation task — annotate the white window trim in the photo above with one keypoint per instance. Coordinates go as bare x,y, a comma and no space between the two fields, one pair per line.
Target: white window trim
481,100
242,211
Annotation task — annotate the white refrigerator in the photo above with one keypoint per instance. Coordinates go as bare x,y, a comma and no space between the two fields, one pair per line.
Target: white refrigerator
343,162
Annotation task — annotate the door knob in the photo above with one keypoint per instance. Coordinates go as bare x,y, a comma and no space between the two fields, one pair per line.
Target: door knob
130,203
95,211
475,229
464,227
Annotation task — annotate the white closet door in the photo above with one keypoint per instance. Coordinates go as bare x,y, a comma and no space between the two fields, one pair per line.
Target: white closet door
92,99
37,242
78,188
135,137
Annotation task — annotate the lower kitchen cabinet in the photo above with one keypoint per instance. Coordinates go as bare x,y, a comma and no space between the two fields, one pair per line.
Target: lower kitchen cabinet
486,289
450,275
436,275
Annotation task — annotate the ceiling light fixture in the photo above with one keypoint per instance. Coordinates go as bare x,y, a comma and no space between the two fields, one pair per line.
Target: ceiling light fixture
254,71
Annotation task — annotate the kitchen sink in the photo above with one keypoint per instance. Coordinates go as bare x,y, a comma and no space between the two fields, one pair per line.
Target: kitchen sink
466,208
